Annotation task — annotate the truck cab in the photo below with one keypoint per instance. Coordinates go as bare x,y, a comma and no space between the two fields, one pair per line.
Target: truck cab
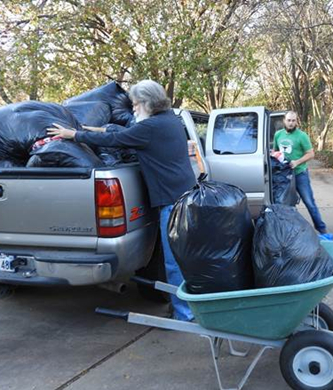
237,149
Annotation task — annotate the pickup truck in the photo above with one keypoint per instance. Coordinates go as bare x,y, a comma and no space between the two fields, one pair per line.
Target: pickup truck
76,226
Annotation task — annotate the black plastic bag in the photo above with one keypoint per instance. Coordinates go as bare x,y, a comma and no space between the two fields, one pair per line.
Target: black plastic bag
22,124
284,183
114,156
94,114
64,153
9,164
114,96
210,234
287,250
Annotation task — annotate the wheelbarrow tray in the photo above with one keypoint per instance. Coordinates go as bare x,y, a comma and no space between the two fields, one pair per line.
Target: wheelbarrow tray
268,313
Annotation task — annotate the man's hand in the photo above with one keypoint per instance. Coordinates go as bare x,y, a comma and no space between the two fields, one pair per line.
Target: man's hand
293,164
309,155
61,131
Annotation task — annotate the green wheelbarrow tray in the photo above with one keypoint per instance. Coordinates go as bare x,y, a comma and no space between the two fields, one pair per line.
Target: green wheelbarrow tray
268,313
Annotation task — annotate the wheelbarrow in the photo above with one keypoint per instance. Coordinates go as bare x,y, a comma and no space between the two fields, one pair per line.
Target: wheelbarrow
288,317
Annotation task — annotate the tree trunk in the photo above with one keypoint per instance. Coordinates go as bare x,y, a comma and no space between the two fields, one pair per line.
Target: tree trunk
321,140
4,95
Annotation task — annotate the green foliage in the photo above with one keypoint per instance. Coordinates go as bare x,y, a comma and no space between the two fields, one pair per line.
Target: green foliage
199,50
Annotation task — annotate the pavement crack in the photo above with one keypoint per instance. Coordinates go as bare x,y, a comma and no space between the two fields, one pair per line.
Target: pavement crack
104,359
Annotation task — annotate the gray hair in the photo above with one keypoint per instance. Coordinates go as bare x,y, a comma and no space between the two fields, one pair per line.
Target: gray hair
152,95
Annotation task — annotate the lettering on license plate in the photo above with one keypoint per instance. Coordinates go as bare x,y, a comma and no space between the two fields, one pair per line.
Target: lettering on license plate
6,263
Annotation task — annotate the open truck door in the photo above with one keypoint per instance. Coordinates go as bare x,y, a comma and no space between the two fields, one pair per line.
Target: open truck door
237,152
190,119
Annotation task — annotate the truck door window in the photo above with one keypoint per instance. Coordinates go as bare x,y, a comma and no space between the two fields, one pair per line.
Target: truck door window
276,124
236,133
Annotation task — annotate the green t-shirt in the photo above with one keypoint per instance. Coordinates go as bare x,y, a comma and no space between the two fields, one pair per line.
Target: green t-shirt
294,145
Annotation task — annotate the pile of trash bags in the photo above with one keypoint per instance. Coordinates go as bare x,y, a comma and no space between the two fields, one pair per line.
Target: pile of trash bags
218,249
210,234
23,130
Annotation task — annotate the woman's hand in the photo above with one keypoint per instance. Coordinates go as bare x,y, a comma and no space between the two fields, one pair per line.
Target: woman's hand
61,131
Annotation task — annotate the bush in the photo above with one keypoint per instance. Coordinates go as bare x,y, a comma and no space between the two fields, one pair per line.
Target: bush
326,157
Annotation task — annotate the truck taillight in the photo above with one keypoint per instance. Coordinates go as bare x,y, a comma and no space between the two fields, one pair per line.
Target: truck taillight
110,208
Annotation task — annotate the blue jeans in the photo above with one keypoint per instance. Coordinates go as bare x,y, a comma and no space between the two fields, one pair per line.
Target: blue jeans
173,273
304,189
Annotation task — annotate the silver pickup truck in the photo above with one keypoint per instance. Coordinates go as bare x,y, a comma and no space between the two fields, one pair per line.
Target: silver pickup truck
75,226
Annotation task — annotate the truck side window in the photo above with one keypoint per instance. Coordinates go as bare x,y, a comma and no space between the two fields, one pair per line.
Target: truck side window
235,133
276,124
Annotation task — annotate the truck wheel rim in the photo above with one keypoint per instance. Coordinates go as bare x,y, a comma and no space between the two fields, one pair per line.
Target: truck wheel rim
313,366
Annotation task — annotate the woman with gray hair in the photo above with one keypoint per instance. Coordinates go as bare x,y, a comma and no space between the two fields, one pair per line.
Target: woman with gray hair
160,141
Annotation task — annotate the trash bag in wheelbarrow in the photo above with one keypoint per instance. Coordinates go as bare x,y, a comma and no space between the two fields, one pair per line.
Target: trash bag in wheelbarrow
22,124
109,96
62,153
287,250
284,183
210,233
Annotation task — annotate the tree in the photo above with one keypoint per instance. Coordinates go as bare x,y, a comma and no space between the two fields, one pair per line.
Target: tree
198,49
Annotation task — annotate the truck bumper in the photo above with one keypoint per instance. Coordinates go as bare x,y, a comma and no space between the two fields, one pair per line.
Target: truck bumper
60,268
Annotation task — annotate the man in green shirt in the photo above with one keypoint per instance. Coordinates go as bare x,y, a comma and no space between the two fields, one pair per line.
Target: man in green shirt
297,148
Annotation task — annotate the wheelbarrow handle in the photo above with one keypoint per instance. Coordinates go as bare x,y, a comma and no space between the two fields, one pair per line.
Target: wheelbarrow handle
113,313
144,281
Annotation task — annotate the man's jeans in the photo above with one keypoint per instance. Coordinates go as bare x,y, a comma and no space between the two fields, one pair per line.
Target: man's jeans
173,273
304,189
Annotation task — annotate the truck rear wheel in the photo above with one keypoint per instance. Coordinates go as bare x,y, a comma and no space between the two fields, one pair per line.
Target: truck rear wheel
6,290
155,270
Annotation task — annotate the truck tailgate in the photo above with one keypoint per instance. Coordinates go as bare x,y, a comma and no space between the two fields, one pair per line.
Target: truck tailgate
48,201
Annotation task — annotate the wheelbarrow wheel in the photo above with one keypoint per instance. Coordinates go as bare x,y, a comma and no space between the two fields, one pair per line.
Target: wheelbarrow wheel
306,361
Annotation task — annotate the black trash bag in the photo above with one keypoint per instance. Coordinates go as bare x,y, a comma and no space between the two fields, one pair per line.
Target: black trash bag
22,124
284,183
94,114
113,95
9,164
122,110
64,153
287,250
114,156
210,233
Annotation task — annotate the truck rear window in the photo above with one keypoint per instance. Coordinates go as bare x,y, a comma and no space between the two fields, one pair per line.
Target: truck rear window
236,133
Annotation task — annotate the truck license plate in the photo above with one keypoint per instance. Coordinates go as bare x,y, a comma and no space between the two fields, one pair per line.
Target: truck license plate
6,263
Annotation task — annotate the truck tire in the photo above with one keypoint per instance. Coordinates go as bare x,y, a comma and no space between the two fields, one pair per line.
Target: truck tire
325,316
6,290
155,270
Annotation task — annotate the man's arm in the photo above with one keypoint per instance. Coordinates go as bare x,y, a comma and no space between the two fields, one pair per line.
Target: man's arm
309,155
137,137
91,128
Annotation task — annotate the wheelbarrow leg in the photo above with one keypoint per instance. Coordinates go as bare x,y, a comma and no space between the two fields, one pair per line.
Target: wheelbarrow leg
234,352
215,354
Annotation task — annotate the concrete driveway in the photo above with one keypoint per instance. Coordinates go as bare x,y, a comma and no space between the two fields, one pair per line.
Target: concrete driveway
50,339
